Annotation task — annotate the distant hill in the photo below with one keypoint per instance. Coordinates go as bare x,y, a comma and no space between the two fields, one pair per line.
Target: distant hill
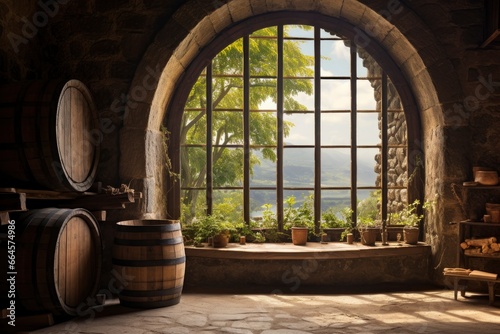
299,172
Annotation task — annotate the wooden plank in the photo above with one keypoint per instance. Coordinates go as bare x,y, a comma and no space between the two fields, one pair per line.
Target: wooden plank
102,201
52,195
4,218
10,202
7,190
100,215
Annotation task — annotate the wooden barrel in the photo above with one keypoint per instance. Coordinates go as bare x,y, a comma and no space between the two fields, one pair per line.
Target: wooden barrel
59,256
48,135
150,255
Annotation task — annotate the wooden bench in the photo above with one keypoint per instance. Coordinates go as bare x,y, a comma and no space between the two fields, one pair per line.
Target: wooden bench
457,278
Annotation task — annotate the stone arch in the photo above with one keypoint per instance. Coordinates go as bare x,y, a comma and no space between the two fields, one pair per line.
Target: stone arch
410,44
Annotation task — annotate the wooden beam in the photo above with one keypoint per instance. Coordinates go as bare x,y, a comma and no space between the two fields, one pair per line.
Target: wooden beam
12,202
4,218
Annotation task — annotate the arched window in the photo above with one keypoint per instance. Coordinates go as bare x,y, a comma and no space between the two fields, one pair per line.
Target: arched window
299,111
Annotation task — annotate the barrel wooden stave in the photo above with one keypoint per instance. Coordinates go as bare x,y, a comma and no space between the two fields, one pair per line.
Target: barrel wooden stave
46,135
60,253
153,262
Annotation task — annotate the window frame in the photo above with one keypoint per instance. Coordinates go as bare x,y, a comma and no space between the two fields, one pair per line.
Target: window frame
173,117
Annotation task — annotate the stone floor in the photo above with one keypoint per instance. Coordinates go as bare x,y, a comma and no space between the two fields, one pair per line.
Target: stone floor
369,310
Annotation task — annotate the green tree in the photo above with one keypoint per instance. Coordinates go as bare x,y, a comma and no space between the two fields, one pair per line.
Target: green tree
227,120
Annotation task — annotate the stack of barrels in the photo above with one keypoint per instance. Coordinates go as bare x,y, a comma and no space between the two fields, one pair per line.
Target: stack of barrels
48,141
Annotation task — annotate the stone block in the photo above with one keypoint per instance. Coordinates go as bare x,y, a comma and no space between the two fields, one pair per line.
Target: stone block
258,6
137,115
204,32
221,18
133,154
352,11
240,10
104,48
187,50
329,7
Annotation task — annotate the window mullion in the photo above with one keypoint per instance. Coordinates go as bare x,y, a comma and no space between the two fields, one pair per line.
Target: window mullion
317,128
384,152
246,128
354,141
209,154
280,140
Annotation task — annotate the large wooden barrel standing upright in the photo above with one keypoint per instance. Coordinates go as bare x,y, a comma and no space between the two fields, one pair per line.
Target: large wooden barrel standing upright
59,257
49,135
150,256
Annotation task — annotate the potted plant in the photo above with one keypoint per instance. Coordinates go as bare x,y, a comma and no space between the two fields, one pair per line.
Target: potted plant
214,227
336,223
267,226
298,221
410,219
368,231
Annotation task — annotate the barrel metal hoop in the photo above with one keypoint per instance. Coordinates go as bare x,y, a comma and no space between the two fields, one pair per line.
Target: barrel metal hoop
151,293
152,228
149,263
148,242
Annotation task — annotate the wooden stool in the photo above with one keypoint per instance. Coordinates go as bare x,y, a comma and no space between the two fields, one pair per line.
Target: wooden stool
457,278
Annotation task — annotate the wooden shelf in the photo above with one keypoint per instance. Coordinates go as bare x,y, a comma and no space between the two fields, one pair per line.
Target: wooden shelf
465,230
15,199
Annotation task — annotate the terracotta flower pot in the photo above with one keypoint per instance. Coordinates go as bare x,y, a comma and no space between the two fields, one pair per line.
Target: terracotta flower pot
299,235
369,235
411,235
220,240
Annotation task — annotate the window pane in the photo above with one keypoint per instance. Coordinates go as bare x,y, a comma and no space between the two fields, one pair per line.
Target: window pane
195,125
195,158
227,128
336,199
335,95
360,68
368,132
263,94
197,96
397,170
304,100
335,59
373,69
230,60
264,54
298,58
263,128
369,205
397,128
397,200
336,129
194,204
263,172
228,167
227,93
301,31
368,169
260,197
335,167
366,96
228,203
301,129
298,167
